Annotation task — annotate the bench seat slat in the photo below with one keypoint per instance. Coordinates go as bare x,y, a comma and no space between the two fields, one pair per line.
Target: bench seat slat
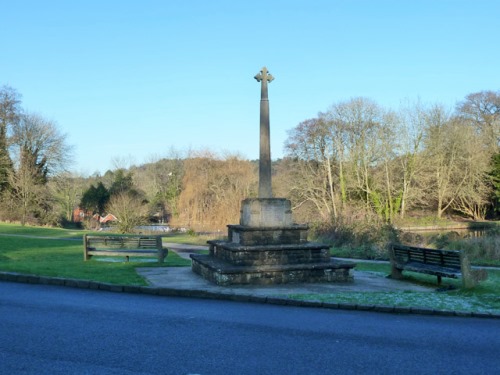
431,269
120,252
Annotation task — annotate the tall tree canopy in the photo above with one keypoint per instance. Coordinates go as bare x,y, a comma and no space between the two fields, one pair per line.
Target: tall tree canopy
10,112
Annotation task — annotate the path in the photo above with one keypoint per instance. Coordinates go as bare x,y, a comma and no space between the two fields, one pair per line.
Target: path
184,278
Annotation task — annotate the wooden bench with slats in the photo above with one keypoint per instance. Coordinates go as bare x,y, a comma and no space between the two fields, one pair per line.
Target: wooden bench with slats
441,263
126,246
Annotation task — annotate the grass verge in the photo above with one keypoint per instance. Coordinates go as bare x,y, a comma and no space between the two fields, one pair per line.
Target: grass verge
484,298
59,253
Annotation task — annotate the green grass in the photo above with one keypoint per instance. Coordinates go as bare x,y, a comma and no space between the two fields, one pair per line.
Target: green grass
16,229
186,238
484,298
59,253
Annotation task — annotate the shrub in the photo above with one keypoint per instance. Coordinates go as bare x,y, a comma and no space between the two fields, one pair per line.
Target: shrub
484,249
358,240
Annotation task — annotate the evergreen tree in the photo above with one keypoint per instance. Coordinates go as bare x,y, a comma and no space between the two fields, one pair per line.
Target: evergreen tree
9,114
95,199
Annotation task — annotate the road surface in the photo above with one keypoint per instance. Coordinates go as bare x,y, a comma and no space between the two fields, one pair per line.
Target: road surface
57,330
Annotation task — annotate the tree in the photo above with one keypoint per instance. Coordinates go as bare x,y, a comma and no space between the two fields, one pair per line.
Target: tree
457,163
122,183
66,188
474,196
365,137
28,187
40,143
286,181
213,189
9,115
40,151
161,182
95,199
129,209
387,188
312,147
495,181
409,154
483,110
339,157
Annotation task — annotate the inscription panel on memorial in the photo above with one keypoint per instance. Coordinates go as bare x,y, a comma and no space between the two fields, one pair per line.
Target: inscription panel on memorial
273,212
272,215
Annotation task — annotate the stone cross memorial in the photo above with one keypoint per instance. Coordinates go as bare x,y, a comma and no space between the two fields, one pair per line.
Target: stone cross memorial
267,247
265,186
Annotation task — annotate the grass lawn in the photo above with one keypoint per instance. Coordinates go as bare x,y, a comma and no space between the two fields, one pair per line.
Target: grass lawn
59,253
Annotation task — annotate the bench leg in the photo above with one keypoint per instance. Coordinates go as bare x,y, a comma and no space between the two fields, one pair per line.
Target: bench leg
162,253
396,273
127,258
439,279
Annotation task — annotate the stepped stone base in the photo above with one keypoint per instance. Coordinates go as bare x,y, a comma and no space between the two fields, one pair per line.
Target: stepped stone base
269,255
268,248
224,274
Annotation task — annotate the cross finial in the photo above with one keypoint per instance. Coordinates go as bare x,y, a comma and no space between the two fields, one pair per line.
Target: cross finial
264,76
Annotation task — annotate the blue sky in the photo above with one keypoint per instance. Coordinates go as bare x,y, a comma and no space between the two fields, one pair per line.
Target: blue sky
130,80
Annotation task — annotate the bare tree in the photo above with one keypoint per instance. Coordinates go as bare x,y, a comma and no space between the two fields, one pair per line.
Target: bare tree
473,197
213,188
287,181
364,143
161,181
483,110
345,157
451,160
311,145
410,132
129,209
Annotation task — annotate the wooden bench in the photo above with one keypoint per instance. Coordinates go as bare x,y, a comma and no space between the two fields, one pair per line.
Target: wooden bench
124,246
441,263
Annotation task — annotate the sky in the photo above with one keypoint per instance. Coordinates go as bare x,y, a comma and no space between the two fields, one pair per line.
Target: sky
130,82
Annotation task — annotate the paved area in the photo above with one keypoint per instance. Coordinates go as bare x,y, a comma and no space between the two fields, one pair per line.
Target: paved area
183,278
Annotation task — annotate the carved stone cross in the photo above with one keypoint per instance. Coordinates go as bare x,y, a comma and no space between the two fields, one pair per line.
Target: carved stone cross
265,189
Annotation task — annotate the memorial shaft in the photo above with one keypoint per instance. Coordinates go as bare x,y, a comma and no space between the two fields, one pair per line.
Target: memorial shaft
265,185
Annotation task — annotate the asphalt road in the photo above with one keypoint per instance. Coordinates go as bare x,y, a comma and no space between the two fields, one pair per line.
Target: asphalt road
57,330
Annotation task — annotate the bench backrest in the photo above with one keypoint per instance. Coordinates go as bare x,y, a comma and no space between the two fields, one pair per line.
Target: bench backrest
445,258
123,242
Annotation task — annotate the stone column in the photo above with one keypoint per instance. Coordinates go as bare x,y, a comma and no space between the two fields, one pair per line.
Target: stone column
265,186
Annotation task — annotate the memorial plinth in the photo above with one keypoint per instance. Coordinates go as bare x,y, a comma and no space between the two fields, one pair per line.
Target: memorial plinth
267,247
